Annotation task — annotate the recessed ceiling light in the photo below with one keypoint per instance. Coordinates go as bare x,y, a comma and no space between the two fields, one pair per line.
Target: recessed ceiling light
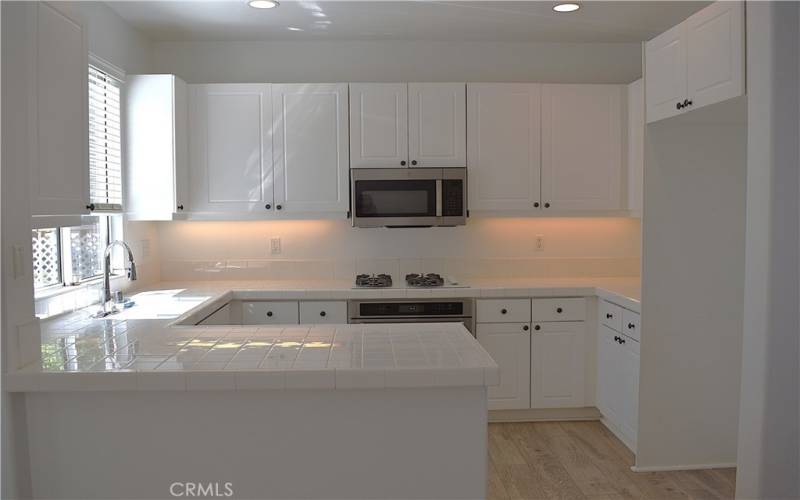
566,7
263,4
292,28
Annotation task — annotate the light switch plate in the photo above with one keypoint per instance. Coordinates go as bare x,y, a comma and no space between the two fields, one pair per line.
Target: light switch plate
540,243
275,246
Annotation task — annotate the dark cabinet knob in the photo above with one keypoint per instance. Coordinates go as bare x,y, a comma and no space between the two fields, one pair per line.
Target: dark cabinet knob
403,163
537,327
413,162
268,206
688,103
503,311
269,314
536,204
525,328
609,315
323,313
278,207
546,205
90,206
180,207
679,106
559,310
616,339
621,340
631,326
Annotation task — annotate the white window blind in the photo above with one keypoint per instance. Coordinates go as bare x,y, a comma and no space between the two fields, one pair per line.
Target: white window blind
105,151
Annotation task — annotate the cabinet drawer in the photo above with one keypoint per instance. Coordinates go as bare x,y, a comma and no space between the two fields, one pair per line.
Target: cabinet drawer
611,315
558,309
630,324
504,311
317,312
269,313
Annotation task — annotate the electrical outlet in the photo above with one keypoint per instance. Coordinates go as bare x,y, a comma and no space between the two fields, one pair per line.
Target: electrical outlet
539,242
275,246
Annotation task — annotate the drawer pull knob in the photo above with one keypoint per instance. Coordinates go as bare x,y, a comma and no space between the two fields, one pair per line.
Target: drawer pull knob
269,314
559,310
537,327
322,313
503,311
525,328
621,340
631,326
609,315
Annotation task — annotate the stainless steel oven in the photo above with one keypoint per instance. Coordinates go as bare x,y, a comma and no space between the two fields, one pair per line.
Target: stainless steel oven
412,311
408,197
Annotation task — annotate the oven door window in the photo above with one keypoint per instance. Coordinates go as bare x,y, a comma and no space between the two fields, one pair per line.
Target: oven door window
395,198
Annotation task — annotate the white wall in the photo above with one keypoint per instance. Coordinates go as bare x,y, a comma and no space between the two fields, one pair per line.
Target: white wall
113,40
692,289
398,61
769,437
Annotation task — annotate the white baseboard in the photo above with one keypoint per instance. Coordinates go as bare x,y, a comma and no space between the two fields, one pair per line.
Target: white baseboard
664,468
544,415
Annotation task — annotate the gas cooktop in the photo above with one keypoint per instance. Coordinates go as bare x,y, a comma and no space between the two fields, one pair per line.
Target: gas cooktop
413,280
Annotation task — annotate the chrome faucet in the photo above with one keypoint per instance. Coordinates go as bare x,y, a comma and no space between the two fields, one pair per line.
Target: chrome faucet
105,311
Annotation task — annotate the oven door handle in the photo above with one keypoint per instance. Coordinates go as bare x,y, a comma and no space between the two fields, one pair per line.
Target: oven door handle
438,197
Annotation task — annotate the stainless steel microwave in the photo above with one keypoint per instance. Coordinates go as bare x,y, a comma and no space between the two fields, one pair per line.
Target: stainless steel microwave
408,197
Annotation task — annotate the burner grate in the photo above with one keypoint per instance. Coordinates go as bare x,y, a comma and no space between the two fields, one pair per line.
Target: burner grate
373,281
429,280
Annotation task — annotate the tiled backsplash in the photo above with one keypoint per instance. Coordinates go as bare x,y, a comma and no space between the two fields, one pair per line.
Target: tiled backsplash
463,269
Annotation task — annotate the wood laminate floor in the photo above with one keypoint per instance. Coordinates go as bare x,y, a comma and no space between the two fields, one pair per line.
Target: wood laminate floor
577,460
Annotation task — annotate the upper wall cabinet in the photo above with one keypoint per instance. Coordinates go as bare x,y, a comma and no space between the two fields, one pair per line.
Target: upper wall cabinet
437,124
378,125
59,170
310,149
582,157
396,125
538,149
157,176
696,63
504,154
231,148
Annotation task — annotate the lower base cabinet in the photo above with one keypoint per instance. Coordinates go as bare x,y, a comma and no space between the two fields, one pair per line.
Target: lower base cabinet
558,365
509,345
618,383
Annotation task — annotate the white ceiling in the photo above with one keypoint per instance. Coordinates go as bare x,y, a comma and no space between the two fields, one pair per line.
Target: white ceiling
229,20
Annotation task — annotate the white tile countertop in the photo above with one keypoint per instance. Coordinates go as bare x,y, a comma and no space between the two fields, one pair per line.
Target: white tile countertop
141,349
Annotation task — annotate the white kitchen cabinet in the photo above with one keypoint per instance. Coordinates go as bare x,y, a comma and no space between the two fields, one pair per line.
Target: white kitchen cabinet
696,63
270,313
378,125
509,345
503,310
582,147
231,148
437,125
59,177
558,364
310,150
665,73
323,312
715,53
635,158
504,147
157,152
618,375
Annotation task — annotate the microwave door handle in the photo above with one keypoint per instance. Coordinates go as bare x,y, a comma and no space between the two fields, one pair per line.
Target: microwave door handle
438,197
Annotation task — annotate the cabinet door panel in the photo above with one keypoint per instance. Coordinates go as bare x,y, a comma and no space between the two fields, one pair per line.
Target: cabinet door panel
323,312
270,313
503,150
665,73
310,154
509,345
378,125
558,360
231,148
629,389
582,147
437,124
608,393
60,171
715,39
